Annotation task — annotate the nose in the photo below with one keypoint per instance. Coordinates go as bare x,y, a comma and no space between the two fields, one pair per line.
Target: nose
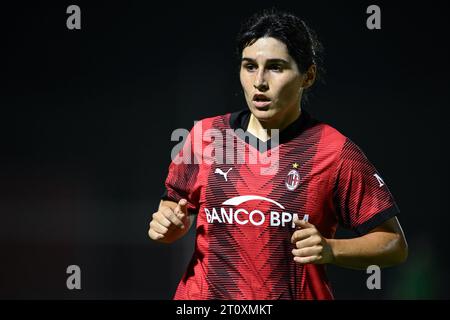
260,82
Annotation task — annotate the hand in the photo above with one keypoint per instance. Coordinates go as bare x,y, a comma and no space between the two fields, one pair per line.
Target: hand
165,221
310,246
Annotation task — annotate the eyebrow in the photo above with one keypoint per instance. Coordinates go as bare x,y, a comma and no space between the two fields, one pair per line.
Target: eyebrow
276,60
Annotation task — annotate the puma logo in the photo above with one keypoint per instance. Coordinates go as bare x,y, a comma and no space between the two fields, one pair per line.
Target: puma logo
224,174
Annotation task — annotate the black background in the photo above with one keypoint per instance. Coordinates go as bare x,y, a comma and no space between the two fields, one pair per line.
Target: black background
86,118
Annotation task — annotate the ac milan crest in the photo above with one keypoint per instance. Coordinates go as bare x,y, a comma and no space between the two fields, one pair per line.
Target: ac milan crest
292,180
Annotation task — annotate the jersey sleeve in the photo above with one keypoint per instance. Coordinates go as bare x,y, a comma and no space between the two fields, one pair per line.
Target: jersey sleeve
182,178
362,199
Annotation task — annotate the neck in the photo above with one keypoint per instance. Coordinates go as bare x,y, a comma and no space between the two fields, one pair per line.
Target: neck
262,129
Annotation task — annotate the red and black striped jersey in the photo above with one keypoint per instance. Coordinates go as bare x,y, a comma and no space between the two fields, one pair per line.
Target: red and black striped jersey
245,208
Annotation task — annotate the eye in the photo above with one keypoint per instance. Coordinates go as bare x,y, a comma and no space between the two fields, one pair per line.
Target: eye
249,67
276,67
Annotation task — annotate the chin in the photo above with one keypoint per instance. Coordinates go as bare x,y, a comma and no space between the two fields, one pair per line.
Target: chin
263,115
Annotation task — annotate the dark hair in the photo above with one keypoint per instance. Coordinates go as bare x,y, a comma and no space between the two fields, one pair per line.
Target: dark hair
301,41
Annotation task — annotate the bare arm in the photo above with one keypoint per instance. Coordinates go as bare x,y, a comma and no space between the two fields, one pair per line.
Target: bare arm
383,246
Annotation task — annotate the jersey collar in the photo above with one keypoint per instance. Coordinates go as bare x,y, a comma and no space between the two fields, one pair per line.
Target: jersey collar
241,118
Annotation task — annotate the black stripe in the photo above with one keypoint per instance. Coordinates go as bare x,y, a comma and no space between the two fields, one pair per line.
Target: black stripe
377,220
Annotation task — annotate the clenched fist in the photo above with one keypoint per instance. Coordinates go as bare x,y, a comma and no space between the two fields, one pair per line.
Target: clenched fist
169,224
310,246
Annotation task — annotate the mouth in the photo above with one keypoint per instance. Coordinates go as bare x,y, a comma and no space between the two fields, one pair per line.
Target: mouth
261,101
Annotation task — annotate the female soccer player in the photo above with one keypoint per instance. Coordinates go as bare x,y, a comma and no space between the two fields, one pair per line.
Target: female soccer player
267,213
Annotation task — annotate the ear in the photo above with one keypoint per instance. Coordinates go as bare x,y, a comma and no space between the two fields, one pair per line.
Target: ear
309,76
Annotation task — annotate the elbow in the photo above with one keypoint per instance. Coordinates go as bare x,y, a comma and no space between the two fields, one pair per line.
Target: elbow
401,250
404,251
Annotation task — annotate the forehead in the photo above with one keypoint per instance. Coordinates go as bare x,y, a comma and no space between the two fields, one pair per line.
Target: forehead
266,48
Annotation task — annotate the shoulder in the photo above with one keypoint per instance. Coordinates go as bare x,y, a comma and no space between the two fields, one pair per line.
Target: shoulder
343,146
214,122
330,137
336,145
